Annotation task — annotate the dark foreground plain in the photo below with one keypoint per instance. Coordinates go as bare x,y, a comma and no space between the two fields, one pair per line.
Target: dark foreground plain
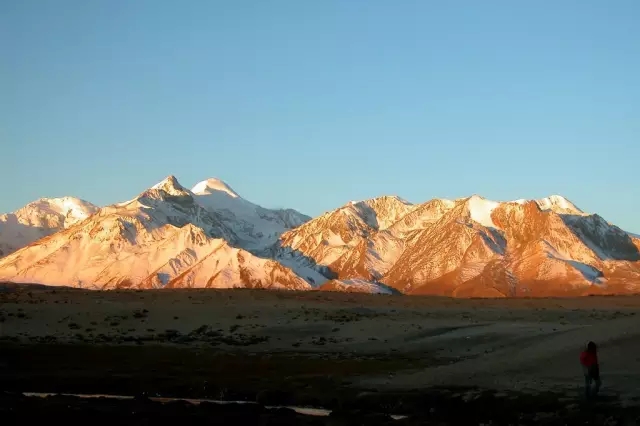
433,360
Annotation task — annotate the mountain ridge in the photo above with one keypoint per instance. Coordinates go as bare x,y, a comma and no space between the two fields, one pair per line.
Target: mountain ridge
209,236
39,219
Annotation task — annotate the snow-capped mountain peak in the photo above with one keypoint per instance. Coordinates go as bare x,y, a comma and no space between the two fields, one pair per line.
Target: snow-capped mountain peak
171,186
166,236
558,204
70,207
213,185
212,201
481,209
379,212
39,219
555,203
170,236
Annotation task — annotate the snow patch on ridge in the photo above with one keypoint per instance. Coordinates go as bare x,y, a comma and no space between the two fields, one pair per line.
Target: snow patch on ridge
558,201
480,210
589,272
357,286
555,203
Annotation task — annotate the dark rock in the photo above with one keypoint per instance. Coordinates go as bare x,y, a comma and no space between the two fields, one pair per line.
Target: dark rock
142,398
359,417
274,397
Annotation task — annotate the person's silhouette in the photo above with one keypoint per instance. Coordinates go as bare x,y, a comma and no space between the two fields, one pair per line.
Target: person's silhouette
591,369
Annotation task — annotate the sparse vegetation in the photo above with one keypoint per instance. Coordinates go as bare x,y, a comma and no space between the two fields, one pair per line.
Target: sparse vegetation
205,334
140,313
200,330
319,341
335,345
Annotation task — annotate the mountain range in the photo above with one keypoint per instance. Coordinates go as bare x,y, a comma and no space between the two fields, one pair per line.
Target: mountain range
209,236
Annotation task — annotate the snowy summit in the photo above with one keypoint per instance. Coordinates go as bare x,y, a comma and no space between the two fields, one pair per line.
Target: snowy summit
209,236
212,186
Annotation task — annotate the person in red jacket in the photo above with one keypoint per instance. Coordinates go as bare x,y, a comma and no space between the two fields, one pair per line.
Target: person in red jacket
591,369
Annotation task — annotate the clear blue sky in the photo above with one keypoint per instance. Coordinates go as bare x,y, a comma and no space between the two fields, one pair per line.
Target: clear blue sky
310,104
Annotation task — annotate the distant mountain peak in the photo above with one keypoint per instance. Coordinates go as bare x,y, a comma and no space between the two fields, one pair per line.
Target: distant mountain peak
445,202
558,202
555,203
379,200
39,219
389,198
170,185
61,205
170,236
212,185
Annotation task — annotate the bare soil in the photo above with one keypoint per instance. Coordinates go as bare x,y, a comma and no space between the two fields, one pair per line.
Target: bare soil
511,361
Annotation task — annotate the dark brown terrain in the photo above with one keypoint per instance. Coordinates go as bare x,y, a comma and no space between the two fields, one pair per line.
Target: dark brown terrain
363,357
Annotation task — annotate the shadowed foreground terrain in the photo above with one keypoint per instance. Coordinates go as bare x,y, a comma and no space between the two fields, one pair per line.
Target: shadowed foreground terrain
434,360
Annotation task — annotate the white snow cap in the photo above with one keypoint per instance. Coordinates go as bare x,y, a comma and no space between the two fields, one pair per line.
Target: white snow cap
556,203
213,185
170,185
63,205
480,210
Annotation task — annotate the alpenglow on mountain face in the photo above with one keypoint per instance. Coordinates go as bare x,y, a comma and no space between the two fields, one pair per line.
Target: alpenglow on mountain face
39,219
209,236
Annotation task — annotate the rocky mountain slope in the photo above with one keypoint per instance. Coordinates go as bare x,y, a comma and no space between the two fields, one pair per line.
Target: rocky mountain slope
168,236
471,247
39,219
209,236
